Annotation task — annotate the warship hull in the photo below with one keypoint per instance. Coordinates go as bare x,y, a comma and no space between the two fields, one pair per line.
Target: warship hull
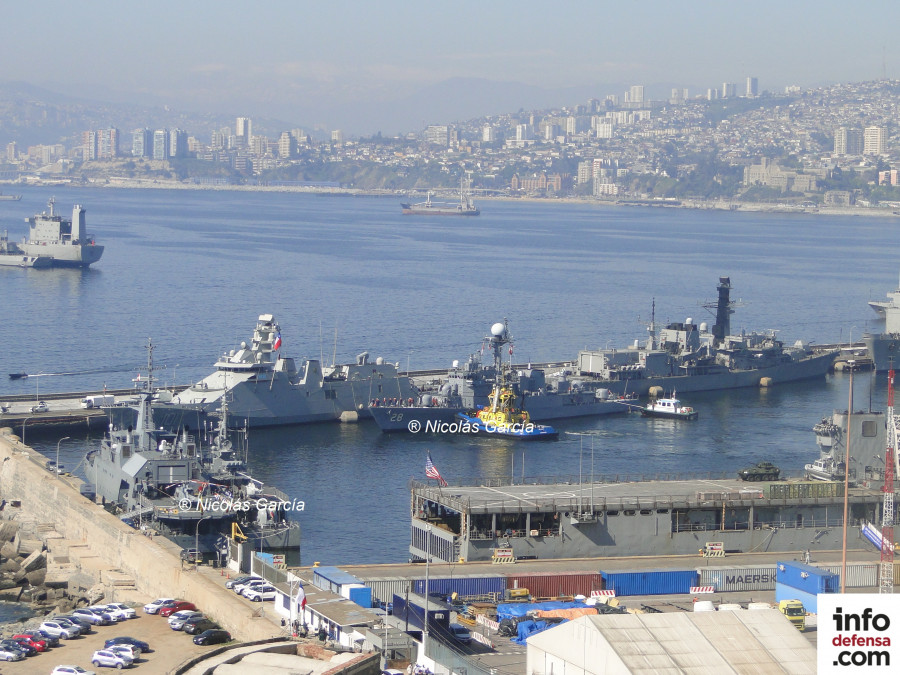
65,255
804,369
883,349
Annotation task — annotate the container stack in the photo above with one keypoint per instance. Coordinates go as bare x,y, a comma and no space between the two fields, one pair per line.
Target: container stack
797,581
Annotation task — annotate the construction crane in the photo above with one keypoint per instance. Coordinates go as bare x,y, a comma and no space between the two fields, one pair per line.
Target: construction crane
887,524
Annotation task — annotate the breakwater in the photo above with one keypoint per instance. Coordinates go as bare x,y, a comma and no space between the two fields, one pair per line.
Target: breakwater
111,551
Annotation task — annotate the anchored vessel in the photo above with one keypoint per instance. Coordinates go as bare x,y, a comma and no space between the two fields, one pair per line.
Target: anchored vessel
267,389
688,357
65,241
465,207
13,256
884,348
543,396
195,496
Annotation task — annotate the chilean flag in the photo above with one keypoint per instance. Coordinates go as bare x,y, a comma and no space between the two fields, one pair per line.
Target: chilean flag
277,342
301,597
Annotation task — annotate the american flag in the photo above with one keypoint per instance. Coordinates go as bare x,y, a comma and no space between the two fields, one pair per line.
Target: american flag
432,472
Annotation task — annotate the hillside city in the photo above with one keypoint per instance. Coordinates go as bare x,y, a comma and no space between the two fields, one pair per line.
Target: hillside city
832,146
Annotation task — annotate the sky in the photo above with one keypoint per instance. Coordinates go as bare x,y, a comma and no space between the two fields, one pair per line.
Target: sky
341,63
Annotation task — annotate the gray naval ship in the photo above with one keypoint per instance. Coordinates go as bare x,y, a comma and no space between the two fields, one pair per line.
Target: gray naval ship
267,389
685,357
545,396
884,348
66,242
193,494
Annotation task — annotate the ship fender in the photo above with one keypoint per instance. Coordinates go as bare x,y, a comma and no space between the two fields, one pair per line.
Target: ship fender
766,382
349,416
655,392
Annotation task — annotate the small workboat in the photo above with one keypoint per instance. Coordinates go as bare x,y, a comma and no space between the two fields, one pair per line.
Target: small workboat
503,418
17,376
669,408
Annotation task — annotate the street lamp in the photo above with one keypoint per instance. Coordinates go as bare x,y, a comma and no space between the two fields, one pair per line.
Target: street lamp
197,535
64,438
23,428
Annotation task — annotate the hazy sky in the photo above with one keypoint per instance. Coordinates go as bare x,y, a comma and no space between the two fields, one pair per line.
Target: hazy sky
302,61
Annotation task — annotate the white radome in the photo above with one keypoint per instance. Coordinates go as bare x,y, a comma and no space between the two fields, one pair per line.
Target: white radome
497,329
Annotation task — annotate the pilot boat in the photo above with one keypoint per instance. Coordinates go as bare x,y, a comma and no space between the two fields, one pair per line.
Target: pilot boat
669,408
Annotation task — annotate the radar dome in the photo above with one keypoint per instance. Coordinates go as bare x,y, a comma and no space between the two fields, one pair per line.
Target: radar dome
688,321
704,327
379,361
243,345
497,329
456,363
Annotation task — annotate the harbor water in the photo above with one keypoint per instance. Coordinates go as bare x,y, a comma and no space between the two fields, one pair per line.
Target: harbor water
193,269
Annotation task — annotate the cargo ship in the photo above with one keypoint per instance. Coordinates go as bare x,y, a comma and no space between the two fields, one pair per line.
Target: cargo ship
465,207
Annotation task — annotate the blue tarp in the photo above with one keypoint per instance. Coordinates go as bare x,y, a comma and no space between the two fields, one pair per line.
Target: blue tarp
515,610
529,628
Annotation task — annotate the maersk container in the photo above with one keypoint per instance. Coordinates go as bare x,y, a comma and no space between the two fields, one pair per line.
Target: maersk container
730,579
859,575
463,586
806,577
556,585
809,600
651,582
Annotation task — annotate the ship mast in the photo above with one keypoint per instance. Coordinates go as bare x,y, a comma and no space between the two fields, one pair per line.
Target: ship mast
498,338
887,522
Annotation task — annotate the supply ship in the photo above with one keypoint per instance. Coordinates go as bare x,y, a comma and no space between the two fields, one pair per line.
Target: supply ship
265,388
13,256
66,242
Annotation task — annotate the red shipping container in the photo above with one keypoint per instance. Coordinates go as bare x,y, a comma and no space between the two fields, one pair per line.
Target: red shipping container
552,585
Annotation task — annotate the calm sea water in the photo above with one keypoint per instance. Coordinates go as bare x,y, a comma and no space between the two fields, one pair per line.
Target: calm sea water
192,270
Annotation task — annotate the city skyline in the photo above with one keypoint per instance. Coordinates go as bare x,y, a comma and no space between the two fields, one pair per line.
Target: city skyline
391,68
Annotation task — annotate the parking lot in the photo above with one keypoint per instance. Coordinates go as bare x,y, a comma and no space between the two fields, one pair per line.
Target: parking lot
169,648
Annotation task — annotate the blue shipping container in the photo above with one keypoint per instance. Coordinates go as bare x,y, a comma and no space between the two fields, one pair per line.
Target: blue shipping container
809,600
807,578
332,578
652,582
361,596
462,586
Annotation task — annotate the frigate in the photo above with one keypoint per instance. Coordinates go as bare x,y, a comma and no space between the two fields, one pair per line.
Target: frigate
265,388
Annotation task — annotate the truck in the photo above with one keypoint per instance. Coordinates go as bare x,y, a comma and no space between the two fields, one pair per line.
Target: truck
98,401
794,611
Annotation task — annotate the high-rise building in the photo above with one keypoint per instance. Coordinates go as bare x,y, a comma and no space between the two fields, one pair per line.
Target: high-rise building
848,141
243,129
635,95
12,154
287,145
487,133
161,144
178,143
752,87
729,90
337,136
141,143
437,134
874,140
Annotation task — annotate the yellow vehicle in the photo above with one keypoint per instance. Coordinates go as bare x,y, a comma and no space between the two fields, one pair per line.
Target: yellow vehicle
794,611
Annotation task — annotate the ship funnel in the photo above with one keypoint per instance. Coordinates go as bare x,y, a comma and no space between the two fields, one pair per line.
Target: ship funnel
79,228
723,310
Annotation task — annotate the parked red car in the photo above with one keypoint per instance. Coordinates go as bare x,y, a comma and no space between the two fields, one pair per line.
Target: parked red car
39,645
177,607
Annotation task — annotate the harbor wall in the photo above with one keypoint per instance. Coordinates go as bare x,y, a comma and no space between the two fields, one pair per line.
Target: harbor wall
153,563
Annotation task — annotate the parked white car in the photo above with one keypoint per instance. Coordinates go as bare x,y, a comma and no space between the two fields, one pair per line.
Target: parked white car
176,621
10,655
108,658
132,652
154,607
71,670
56,629
259,593
255,583
119,611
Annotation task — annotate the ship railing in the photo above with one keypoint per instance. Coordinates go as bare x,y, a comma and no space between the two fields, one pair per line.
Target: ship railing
759,525
489,535
270,491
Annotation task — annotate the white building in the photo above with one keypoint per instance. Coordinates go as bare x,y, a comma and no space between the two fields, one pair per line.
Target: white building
689,642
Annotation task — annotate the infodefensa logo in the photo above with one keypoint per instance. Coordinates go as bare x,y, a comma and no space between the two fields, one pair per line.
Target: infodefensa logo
858,632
